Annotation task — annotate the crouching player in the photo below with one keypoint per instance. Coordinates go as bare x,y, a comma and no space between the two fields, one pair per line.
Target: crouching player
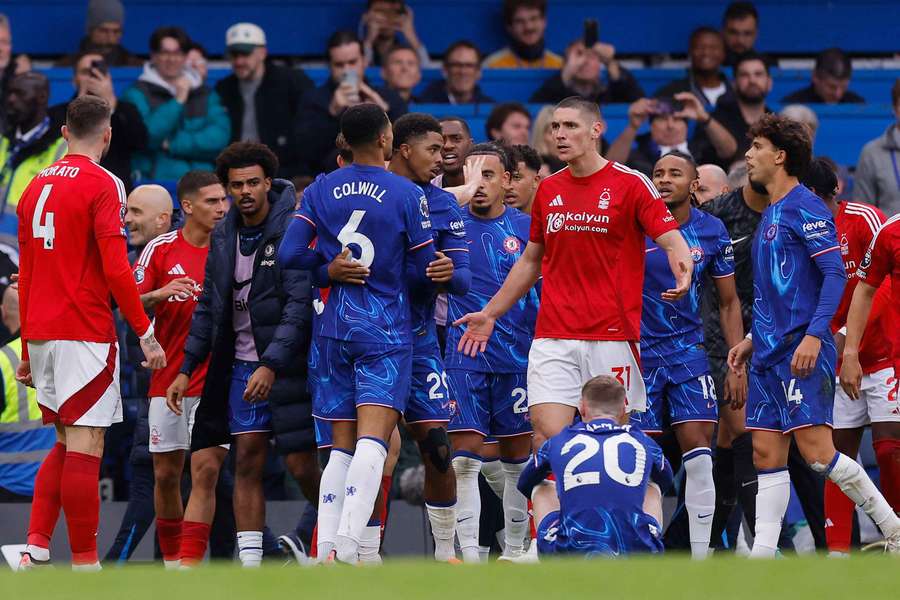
604,471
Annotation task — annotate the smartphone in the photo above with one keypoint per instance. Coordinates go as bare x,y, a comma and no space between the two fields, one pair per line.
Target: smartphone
591,32
352,78
668,106
100,65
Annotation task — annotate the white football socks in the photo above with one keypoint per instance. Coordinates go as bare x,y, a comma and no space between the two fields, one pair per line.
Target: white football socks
699,499
360,490
493,474
515,508
468,505
855,483
443,526
331,501
370,544
250,549
772,498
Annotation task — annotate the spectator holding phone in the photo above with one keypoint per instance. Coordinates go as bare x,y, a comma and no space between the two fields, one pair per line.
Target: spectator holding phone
385,24
91,77
581,75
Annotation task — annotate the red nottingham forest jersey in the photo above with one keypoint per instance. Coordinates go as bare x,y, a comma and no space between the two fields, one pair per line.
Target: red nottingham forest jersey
164,259
63,213
593,230
881,261
856,225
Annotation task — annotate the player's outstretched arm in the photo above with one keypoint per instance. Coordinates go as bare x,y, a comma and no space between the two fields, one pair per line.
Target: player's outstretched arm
294,252
733,330
679,255
536,470
472,175
521,278
857,316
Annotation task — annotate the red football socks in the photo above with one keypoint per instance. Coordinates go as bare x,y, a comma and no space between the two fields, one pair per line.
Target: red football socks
81,505
46,502
194,538
838,518
169,533
385,508
887,454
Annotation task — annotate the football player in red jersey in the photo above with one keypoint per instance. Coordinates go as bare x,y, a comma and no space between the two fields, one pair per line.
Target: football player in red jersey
73,255
169,274
857,225
588,224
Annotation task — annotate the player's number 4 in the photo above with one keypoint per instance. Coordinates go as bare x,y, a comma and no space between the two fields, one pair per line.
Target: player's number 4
45,231
614,470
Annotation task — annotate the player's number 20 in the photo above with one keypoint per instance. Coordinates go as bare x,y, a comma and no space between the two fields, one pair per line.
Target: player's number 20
45,231
349,235
590,447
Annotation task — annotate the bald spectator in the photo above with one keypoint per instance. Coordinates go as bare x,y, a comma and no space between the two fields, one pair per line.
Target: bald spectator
878,168
402,71
803,114
830,80
462,72
740,28
10,64
713,182
705,78
508,123
583,75
262,99
91,77
104,28
31,142
526,24
148,214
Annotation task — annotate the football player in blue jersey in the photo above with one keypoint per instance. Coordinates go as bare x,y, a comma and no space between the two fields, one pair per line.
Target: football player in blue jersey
365,330
680,389
798,279
417,156
489,390
605,472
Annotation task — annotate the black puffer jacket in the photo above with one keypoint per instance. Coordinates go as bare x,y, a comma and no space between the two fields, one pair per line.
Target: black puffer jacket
280,313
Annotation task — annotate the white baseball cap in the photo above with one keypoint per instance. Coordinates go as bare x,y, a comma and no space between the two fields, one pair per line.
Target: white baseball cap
244,37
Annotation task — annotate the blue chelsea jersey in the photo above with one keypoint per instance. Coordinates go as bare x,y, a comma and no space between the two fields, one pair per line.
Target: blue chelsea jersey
794,235
672,332
494,247
382,218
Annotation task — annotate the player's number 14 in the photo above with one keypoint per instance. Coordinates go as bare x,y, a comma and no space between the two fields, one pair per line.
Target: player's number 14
45,231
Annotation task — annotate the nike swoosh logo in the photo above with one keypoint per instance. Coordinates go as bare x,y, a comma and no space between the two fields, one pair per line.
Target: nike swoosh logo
704,516
733,242
515,520
746,483
464,519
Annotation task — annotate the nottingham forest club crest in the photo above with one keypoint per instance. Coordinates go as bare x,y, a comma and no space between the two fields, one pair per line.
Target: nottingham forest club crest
512,245
604,199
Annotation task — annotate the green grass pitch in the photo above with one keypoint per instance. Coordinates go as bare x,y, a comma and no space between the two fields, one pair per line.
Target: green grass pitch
666,578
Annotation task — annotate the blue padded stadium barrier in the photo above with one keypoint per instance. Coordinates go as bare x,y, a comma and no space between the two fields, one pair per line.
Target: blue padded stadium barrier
301,27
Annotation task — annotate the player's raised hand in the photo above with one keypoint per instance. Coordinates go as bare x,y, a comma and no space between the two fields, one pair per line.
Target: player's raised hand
23,373
736,388
259,385
440,270
473,176
851,374
479,327
682,284
345,269
175,393
154,355
804,360
739,355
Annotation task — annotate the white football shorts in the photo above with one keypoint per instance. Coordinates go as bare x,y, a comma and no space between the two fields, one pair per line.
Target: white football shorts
878,402
558,369
77,383
168,431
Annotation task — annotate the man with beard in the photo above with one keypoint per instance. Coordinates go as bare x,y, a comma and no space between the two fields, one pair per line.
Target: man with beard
526,23
752,83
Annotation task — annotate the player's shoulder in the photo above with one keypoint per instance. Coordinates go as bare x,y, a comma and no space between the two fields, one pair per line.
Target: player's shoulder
632,178
553,183
517,217
804,200
157,248
864,215
889,230
708,222
439,200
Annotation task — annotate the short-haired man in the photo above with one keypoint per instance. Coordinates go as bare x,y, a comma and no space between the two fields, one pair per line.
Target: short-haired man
148,214
705,78
582,75
252,323
857,225
68,325
713,182
740,28
402,71
319,118
524,179
875,181
599,510
830,80
489,392
589,320
508,123
721,137
457,143
792,371
169,274
462,72
262,99
91,76
526,25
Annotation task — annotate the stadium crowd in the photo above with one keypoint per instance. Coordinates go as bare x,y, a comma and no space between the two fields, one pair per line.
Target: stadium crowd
255,283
